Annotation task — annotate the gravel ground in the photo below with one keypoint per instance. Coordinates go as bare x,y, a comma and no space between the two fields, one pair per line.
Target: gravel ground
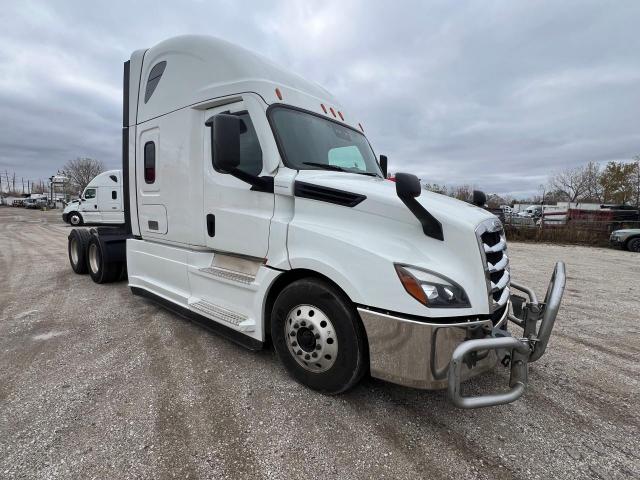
97,383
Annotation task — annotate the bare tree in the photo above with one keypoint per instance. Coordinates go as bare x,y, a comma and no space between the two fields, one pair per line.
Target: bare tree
594,191
572,182
81,171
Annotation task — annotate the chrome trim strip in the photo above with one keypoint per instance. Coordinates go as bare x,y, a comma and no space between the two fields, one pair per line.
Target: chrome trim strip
501,265
503,282
498,247
503,298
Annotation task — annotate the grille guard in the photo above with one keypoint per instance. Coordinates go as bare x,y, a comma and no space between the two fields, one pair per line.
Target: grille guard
527,312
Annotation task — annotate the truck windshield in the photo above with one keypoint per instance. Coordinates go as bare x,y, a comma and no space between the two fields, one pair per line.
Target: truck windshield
310,142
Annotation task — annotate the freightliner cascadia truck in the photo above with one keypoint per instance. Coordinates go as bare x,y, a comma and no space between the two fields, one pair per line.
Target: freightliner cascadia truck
254,205
100,202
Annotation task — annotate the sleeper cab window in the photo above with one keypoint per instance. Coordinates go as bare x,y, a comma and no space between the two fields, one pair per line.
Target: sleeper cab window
114,195
150,162
154,79
250,151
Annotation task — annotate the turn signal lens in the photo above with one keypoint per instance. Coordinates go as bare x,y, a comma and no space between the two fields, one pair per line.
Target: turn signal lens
411,285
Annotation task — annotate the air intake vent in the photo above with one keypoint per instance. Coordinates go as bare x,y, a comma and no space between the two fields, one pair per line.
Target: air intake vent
326,194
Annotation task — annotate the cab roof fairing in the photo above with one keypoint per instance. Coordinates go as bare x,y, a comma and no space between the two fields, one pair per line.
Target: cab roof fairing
190,78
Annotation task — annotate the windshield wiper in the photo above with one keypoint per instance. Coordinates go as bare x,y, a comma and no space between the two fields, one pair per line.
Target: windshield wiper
326,166
337,168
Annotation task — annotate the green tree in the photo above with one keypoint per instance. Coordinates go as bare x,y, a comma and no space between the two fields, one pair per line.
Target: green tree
617,180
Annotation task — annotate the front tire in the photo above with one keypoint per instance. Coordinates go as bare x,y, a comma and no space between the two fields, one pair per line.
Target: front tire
634,245
318,336
75,219
101,271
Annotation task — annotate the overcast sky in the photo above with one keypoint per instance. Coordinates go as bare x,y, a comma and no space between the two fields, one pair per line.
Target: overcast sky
494,93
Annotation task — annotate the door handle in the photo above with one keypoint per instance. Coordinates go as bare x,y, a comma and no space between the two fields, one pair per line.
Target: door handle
211,225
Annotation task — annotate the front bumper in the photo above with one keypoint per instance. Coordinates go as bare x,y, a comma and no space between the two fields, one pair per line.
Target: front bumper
65,217
436,356
616,242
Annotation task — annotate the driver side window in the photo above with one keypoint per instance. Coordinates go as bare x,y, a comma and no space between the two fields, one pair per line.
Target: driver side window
90,193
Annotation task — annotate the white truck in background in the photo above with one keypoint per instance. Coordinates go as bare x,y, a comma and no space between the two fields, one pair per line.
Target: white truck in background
100,202
254,205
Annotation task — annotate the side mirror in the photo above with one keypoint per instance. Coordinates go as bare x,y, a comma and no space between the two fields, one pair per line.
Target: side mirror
383,165
479,198
225,150
407,185
225,141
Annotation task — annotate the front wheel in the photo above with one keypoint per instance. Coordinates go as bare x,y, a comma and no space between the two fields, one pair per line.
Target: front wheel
634,245
75,219
318,336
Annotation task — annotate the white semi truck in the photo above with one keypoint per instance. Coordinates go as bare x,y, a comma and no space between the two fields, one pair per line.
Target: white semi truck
100,202
254,204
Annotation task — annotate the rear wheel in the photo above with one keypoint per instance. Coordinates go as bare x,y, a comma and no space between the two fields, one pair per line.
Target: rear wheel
101,271
77,249
634,245
75,219
318,336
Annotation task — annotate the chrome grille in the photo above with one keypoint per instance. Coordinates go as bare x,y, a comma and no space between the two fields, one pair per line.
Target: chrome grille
493,250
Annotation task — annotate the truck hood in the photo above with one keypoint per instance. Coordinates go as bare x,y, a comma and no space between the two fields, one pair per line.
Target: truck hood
382,199
366,241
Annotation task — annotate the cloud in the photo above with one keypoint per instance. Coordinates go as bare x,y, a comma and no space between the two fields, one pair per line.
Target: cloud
497,94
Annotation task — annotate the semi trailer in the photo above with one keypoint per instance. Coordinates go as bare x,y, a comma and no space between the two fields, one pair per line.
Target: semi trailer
100,202
254,205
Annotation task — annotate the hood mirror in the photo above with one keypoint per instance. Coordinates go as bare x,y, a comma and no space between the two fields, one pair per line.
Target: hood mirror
407,185
479,198
408,188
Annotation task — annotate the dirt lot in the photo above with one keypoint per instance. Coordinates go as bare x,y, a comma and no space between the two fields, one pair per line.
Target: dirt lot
97,383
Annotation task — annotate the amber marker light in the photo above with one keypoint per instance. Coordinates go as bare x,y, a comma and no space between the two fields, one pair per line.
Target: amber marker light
411,285
278,94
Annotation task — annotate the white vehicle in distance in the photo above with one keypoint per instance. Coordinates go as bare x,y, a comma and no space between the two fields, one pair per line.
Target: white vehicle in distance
100,203
254,204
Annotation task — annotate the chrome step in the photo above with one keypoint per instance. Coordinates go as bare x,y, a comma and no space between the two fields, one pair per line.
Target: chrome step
222,314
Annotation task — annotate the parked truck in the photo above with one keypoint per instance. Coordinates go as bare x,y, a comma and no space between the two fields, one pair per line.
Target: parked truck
254,204
100,202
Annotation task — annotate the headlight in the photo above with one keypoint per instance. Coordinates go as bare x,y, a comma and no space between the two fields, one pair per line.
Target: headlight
431,289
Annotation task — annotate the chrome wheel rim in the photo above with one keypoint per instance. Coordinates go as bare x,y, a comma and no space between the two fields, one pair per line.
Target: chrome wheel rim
93,257
74,252
75,219
311,338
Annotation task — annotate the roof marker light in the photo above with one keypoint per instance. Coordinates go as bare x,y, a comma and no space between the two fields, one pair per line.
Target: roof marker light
341,116
360,125
333,112
278,93
324,109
